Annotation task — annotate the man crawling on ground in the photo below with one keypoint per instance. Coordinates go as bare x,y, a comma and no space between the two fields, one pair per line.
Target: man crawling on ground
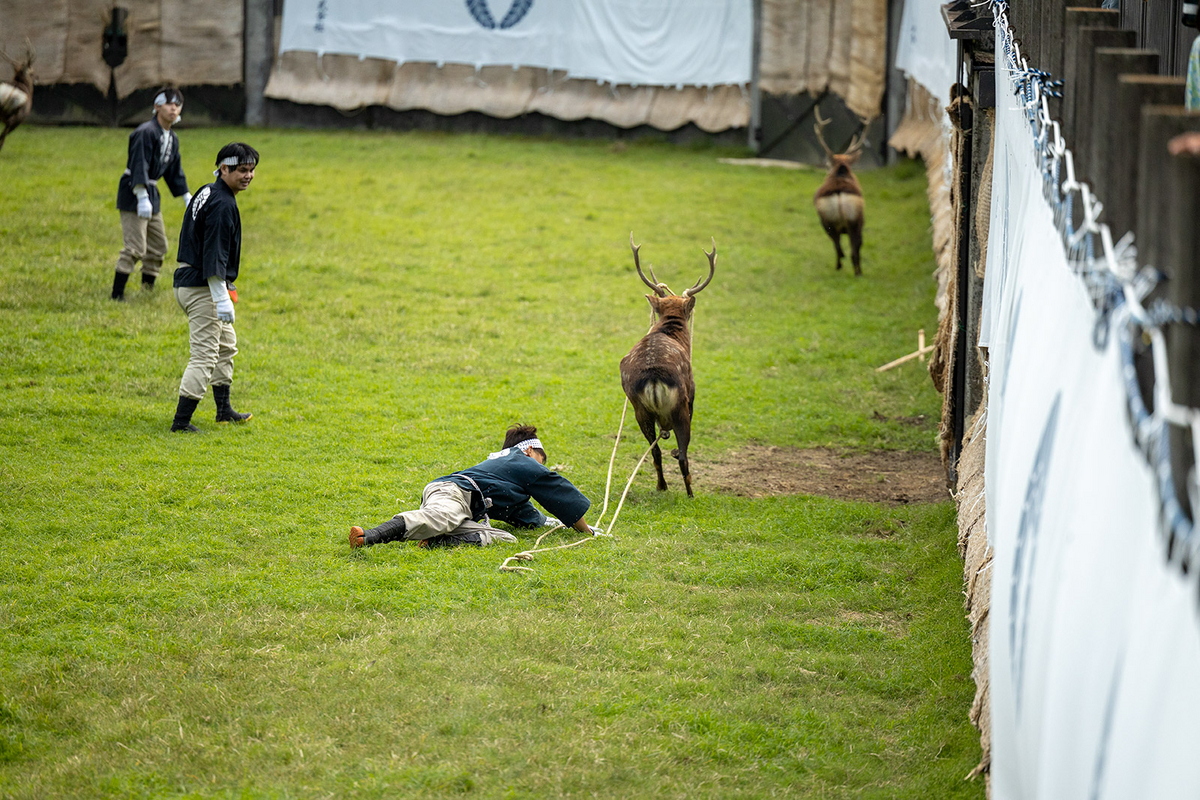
458,508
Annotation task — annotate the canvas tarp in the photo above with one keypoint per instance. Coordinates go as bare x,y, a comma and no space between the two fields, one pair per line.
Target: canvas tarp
816,46
1095,633
346,83
851,62
655,42
170,41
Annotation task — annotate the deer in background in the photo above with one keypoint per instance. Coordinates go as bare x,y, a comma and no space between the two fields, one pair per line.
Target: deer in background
839,199
16,97
657,373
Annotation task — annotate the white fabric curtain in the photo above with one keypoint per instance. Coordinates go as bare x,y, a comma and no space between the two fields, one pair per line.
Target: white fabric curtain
925,52
636,42
1095,639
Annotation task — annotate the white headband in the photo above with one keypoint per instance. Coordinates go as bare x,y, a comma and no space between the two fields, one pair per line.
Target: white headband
231,161
530,443
161,100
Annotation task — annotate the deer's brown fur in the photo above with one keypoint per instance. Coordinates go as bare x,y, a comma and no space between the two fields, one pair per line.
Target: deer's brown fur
839,199
657,373
12,115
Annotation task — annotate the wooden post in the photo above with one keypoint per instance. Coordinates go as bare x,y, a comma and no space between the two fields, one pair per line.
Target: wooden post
1183,290
754,134
1031,36
1091,40
1054,49
1076,21
1054,21
1159,125
1181,263
259,48
1096,153
1119,147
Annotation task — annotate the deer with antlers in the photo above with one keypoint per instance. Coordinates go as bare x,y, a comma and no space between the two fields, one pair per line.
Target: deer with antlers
657,373
16,97
839,199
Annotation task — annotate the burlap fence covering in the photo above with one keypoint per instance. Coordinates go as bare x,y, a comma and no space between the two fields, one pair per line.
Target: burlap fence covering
808,46
170,41
826,45
977,571
348,83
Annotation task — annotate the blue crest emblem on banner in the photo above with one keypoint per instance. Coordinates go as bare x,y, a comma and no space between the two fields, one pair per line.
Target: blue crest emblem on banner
483,15
1025,550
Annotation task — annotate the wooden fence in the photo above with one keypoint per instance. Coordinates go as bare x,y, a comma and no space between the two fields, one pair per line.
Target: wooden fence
1123,77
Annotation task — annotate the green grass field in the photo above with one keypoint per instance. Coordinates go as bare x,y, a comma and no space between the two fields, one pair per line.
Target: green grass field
181,616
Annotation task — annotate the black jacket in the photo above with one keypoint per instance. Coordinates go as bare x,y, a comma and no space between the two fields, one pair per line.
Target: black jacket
210,241
509,479
150,158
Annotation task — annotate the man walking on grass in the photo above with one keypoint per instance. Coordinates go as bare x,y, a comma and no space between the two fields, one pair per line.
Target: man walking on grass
455,509
153,154
210,249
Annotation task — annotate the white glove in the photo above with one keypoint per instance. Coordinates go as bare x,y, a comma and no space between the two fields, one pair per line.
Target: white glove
187,199
145,208
225,309
220,296
551,522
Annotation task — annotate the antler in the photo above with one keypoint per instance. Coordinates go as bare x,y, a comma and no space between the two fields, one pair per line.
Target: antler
859,139
712,268
30,54
821,123
660,289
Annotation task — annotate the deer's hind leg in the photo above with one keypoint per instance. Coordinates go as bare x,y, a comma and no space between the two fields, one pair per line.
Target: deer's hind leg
683,436
855,246
837,243
647,423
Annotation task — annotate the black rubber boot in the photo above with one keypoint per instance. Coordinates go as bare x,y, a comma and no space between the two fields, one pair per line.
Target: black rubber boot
447,540
148,281
119,281
391,531
183,416
225,412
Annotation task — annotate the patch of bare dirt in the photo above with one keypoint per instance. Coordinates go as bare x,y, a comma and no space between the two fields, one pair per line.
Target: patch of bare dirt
884,476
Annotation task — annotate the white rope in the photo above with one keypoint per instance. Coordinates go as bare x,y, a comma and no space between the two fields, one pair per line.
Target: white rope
527,555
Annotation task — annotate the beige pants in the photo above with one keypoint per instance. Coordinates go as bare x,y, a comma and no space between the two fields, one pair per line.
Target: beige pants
213,343
145,240
446,508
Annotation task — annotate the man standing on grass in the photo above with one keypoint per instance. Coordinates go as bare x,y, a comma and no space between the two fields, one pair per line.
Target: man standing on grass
455,509
153,154
210,249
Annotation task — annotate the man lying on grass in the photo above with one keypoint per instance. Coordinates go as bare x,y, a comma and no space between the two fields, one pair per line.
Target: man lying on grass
455,509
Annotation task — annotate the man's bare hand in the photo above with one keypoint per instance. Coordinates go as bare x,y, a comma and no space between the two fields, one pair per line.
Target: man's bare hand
1185,144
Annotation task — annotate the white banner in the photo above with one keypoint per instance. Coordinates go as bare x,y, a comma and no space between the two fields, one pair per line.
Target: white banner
651,42
925,52
1095,638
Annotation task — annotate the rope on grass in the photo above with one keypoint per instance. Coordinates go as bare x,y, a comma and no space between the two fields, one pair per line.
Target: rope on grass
527,555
